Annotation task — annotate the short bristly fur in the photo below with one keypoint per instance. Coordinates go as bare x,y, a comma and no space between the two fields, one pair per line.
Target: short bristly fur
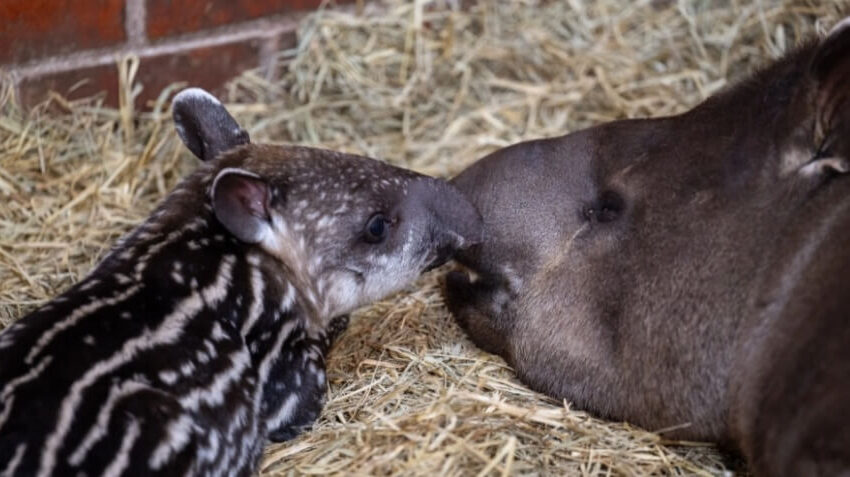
684,273
203,334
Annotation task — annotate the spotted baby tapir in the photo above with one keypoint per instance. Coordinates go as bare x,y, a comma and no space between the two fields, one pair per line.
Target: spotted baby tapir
203,334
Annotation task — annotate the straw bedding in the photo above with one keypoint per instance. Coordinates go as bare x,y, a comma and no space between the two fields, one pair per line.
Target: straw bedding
431,87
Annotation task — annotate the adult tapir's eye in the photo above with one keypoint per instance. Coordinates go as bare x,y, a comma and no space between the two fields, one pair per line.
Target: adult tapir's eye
606,208
376,229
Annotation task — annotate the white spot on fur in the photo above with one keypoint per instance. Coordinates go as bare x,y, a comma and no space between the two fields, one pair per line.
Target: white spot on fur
218,333
187,368
168,377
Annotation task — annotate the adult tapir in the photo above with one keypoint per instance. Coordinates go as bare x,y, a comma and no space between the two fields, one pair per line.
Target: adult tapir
688,272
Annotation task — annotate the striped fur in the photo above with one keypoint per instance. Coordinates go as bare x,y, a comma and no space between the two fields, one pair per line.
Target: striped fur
187,349
94,378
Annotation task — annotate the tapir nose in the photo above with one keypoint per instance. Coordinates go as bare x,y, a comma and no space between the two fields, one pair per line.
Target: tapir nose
455,224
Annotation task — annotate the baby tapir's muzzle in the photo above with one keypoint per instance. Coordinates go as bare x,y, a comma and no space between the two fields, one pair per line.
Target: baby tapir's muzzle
456,224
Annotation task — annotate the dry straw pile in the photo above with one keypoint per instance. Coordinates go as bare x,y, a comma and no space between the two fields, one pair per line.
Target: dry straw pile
431,87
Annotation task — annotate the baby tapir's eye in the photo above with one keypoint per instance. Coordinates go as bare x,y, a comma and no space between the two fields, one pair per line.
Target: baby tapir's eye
376,229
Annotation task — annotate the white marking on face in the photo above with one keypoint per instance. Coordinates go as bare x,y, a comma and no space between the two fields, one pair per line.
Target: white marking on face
325,222
89,340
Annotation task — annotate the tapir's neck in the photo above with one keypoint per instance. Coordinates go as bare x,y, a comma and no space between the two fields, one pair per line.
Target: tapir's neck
181,263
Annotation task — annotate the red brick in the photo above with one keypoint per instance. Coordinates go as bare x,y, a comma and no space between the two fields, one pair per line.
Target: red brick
208,68
172,17
75,84
31,29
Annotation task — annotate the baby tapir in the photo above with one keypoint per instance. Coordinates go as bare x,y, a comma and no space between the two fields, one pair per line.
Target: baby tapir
687,273
203,333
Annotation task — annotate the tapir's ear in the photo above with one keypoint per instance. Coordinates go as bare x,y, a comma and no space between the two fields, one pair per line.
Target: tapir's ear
830,69
203,124
241,203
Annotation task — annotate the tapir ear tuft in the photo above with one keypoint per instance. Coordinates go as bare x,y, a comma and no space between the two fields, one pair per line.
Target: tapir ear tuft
241,202
833,51
830,70
204,125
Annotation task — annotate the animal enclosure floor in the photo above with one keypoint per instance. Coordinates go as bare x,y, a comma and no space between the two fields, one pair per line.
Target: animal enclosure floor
430,87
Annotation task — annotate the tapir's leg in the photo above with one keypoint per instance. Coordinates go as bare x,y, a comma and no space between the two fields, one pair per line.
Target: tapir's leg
336,327
295,391
471,305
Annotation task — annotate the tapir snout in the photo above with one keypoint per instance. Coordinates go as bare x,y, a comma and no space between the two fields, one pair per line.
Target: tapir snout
685,272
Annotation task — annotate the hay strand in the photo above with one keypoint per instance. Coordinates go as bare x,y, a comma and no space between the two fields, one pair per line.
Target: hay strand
428,86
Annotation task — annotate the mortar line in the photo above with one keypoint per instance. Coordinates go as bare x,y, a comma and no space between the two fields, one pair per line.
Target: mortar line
134,23
261,29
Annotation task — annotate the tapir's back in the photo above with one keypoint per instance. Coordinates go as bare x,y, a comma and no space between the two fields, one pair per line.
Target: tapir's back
112,375
796,346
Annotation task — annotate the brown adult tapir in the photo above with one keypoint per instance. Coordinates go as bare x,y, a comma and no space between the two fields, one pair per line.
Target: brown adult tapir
688,272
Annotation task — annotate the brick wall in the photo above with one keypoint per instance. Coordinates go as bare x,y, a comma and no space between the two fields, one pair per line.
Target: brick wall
71,46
